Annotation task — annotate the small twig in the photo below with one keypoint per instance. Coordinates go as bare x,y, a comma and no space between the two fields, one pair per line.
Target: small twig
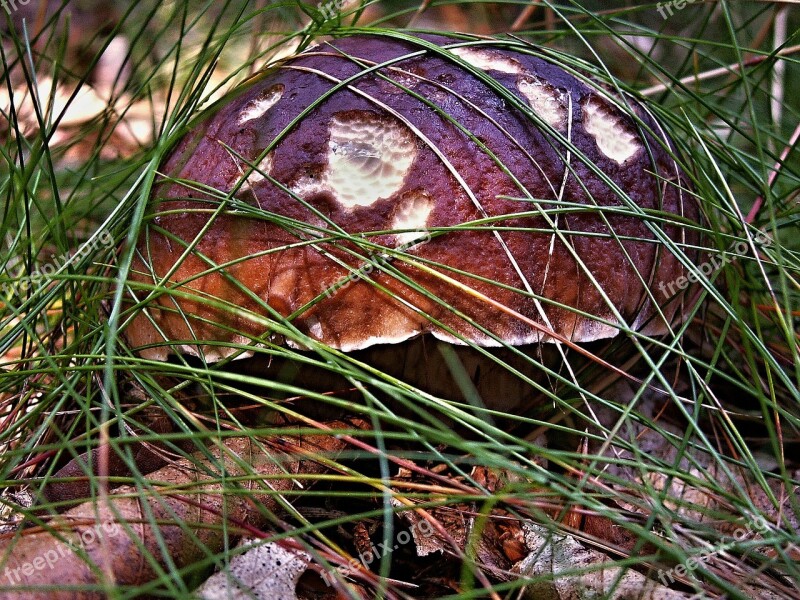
773,175
524,15
718,72
779,72
418,13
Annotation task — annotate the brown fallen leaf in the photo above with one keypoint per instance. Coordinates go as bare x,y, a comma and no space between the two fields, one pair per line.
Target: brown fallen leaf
72,482
114,542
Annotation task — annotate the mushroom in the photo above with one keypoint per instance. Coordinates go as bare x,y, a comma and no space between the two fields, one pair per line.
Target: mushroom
376,189
384,190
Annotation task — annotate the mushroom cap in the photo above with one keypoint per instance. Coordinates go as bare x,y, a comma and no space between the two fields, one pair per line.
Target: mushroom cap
378,187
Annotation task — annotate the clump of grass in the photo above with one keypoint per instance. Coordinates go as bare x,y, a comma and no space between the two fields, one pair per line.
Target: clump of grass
695,444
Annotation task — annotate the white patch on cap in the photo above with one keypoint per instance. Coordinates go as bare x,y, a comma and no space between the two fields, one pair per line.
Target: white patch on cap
314,327
260,105
609,131
258,174
368,158
399,77
545,100
282,287
487,60
412,214
306,186
255,175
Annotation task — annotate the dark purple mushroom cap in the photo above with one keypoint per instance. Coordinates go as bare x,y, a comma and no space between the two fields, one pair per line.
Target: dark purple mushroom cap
526,203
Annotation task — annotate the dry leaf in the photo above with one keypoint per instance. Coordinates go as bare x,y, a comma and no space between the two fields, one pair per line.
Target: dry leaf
115,534
552,554
263,572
